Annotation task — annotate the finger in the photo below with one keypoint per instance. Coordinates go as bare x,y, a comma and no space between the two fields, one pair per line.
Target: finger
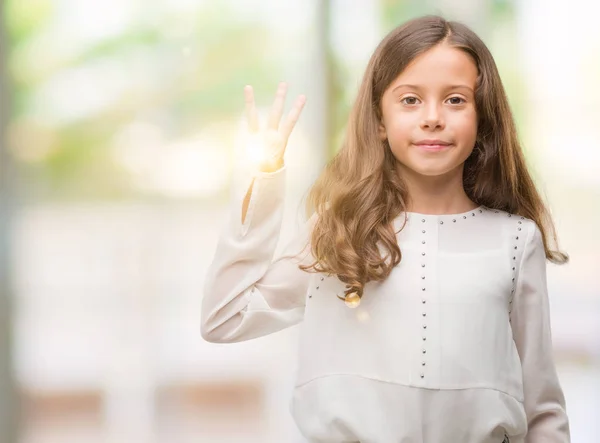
277,109
251,112
292,118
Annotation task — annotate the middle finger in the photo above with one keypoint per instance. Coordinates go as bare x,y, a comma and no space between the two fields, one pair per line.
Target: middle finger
277,109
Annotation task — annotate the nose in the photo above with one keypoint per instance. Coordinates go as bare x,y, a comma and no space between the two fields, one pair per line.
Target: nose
433,118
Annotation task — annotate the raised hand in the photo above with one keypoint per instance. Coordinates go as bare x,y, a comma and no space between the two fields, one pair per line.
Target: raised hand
276,134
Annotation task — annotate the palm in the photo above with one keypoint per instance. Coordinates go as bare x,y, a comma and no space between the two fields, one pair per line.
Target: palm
274,140
276,134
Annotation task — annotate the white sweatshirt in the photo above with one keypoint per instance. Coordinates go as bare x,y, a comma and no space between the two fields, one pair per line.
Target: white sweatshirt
454,346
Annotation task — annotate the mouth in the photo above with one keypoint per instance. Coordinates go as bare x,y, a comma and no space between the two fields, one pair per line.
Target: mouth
433,147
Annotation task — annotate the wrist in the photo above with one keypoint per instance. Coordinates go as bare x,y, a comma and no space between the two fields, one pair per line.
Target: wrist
271,165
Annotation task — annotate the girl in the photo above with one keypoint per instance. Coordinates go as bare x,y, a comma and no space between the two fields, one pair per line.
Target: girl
428,223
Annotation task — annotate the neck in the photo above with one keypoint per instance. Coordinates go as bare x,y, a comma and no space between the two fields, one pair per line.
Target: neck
440,194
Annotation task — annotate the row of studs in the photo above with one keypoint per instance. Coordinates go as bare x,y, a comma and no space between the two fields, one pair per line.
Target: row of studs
514,266
464,217
424,303
317,288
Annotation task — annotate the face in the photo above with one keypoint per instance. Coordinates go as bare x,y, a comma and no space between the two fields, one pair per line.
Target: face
429,115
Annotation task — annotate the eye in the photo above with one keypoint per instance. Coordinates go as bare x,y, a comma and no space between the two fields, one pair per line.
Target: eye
457,100
412,100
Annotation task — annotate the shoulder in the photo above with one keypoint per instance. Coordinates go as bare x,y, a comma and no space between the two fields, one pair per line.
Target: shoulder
508,218
524,230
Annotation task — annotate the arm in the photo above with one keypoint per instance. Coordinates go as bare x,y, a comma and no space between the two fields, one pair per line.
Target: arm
248,293
268,167
530,319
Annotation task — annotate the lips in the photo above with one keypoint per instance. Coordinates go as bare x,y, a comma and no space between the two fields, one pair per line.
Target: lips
432,142
433,146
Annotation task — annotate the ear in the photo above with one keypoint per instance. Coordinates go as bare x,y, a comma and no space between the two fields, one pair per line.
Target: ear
382,132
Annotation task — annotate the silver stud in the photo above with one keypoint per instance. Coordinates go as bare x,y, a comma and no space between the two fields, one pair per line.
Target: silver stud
423,300
424,338
423,232
510,215
322,278
515,247
423,220
422,253
473,214
480,211
520,222
441,222
423,242
517,237
422,363
496,212
464,216
454,220
423,277
514,268
422,375
424,314
310,296
519,229
423,289
424,326
424,351
423,265
513,279
522,218
514,258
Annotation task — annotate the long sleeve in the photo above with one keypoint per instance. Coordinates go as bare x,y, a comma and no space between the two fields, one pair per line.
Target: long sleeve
530,318
248,292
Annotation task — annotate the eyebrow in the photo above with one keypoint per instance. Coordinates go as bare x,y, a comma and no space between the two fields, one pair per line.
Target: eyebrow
446,88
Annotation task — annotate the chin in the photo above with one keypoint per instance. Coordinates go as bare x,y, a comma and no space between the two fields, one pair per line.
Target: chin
431,172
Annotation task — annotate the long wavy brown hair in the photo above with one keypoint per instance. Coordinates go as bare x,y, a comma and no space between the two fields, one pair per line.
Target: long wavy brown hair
359,193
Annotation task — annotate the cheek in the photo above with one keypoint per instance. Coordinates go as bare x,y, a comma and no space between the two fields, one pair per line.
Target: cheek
464,126
401,126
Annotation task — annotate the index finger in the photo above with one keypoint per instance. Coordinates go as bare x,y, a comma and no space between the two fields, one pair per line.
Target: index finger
277,108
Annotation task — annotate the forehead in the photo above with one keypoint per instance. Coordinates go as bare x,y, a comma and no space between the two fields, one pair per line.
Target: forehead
439,66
